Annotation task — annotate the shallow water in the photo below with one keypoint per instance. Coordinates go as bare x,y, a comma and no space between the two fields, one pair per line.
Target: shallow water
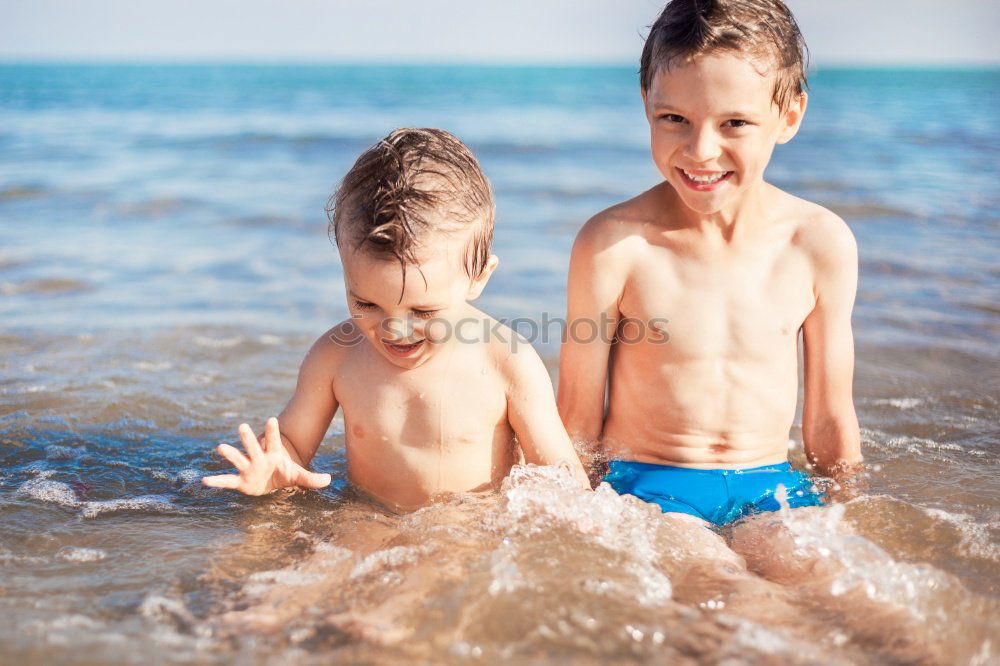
164,267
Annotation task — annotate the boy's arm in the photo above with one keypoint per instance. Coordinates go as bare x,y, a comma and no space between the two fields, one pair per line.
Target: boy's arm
279,458
829,422
306,418
531,410
595,284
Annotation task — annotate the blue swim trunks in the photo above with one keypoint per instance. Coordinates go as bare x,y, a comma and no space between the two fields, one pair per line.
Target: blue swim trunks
719,496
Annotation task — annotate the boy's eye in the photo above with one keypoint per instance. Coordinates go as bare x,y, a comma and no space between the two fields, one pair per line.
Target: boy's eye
672,118
364,305
736,122
424,314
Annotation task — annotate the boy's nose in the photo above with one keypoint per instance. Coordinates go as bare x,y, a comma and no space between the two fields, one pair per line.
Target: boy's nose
397,328
703,146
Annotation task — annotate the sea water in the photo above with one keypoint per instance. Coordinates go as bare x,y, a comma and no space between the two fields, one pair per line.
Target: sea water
164,266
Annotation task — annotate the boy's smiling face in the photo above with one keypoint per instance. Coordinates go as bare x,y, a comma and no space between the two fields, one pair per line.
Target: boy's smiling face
713,126
407,324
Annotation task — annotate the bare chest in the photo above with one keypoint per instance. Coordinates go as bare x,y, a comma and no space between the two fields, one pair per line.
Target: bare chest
448,405
731,305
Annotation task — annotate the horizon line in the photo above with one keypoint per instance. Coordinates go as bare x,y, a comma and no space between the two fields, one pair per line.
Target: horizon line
431,62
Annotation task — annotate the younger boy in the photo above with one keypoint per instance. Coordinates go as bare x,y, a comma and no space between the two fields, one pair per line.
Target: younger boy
430,405
698,416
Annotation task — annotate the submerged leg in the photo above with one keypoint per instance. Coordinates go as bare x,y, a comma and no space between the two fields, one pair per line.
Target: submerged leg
885,605
708,574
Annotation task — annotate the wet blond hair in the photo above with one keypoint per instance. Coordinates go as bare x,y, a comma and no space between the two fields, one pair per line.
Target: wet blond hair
381,205
763,30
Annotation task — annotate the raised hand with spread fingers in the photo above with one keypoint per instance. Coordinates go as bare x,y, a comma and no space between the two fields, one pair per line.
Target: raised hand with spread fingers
266,467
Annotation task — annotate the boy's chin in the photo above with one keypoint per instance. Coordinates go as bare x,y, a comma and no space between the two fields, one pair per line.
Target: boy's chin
704,206
406,363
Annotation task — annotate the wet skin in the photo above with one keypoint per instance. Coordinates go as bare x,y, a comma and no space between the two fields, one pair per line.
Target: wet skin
426,411
738,267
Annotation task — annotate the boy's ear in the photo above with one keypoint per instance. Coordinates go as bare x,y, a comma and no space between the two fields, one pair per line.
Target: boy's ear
791,119
477,285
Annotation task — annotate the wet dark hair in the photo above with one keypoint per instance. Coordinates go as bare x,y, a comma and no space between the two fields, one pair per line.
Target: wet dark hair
763,30
381,204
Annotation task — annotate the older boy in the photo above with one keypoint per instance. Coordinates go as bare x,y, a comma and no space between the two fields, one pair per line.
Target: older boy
697,421
429,405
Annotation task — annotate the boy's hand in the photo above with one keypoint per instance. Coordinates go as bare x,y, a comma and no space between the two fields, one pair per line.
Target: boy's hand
267,469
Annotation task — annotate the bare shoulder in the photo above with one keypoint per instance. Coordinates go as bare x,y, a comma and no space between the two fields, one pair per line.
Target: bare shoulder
620,228
332,347
822,234
513,355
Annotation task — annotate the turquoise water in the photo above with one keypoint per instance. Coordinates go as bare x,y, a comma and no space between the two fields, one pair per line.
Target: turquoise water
202,184
164,265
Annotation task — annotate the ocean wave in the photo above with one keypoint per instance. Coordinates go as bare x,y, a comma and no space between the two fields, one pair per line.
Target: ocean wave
45,286
13,192
257,140
866,210
152,366
919,446
976,539
45,489
898,403
154,207
565,192
218,343
150,503
59,452
76,554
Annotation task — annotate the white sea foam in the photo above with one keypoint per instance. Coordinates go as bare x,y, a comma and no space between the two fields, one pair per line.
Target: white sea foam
152,366
46,490
189,475
262,581
332,554
538,497
505,577
75,621
820,534
158,607
388,558
750,639
976,538
899,403
75,554
57,452
286,577
155,503
917,446
218,343
175,626
74,630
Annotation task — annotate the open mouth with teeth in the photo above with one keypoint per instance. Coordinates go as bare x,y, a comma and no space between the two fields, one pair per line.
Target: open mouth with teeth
705,180
403,350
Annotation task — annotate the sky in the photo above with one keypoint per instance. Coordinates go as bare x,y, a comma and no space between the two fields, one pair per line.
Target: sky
511,31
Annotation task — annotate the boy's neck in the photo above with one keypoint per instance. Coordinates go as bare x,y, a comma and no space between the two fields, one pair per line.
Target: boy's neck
731,222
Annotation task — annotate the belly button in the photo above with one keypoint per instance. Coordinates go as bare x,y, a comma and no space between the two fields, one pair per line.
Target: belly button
784,330
358,431
718,448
